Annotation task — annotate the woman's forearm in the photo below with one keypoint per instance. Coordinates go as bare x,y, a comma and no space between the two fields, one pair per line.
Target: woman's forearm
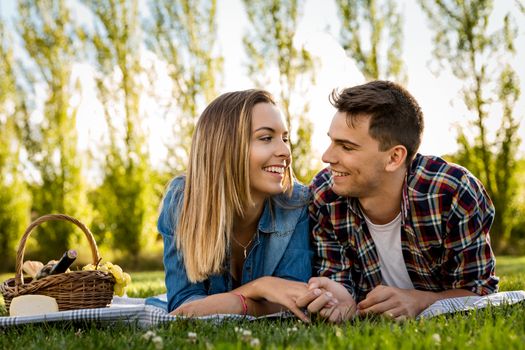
253,290
262,307
222,303
271,294
227,303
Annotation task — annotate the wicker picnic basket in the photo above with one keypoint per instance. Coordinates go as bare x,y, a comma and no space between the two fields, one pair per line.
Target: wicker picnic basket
72,290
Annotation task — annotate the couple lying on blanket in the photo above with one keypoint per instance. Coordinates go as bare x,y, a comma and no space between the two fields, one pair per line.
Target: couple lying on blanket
384,229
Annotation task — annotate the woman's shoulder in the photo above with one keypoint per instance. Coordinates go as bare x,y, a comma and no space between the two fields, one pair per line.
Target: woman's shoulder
289,209
175,192
171,204
299,197
177,184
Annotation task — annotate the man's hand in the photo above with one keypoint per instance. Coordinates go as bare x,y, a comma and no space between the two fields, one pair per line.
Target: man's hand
395,303
329,299
278,291
223,303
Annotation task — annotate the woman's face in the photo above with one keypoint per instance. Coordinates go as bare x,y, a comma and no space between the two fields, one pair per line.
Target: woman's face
269,151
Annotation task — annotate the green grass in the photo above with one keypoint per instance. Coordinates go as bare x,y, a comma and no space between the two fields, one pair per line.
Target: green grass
510,265
501,328
145,284
498,328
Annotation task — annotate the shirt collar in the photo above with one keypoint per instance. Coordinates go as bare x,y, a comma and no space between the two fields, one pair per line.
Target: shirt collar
409,178
405,203
353,203
354,207
267,221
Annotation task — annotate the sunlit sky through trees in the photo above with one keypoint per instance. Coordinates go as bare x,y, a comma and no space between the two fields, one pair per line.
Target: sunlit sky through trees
319,30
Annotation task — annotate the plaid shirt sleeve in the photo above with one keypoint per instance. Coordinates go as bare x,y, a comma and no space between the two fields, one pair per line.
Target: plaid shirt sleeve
331,258
469,261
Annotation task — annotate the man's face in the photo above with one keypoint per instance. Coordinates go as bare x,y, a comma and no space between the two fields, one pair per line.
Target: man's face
356,163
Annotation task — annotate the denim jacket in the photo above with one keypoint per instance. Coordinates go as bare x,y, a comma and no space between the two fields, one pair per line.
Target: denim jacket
281,247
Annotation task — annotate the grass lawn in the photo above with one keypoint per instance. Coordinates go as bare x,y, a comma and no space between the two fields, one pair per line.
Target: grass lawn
501,328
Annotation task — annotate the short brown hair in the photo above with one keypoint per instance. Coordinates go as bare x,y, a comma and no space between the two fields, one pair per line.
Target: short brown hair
395,116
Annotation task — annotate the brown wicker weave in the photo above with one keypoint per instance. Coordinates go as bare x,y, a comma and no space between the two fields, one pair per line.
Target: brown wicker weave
72,290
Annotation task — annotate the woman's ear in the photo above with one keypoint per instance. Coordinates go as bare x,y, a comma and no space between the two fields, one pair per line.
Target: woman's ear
397,156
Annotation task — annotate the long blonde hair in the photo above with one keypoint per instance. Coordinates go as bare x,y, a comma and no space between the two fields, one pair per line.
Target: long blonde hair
217,184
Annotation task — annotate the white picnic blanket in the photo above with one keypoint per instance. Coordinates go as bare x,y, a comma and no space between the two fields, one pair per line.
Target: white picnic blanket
451,305
127,310
135,310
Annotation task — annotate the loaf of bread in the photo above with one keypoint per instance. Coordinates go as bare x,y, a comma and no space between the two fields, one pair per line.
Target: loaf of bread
29,305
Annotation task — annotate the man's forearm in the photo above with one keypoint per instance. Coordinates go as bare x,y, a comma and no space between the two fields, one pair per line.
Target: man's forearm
396,302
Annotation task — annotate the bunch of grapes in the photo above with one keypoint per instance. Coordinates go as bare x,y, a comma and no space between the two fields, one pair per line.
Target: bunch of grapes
122,279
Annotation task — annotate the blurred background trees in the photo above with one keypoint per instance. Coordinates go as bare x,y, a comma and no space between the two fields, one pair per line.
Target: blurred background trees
273,58
117,46
480,57
162,62
184,35
47,118
14,196
372,34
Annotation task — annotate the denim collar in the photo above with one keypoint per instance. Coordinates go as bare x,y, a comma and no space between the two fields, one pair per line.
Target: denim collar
267,223
277,218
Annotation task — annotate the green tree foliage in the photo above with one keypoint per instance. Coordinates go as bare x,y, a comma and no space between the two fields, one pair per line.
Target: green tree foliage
518,232
183,34
478,58
14,195
124,200
48,35
520,5
372,34
273,56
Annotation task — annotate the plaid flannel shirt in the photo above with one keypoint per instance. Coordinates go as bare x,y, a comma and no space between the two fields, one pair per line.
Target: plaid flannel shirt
446,217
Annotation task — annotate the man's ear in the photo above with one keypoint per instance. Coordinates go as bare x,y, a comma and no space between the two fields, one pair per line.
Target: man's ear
397,156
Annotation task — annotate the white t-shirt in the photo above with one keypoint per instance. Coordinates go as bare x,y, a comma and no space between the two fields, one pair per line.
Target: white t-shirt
387,239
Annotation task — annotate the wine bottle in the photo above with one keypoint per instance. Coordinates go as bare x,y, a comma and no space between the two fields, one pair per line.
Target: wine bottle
64,263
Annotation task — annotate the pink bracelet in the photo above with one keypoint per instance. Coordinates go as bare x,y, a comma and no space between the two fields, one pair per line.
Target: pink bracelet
243,302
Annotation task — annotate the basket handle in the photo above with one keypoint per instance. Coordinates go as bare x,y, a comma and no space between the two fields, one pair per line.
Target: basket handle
51,217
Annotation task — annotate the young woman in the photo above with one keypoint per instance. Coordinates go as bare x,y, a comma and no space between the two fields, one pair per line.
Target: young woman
235,228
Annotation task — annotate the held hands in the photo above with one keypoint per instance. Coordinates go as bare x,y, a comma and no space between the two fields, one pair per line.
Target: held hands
329,299
332,301
321,296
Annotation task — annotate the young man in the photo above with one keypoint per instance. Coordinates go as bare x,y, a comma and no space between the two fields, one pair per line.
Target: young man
394,231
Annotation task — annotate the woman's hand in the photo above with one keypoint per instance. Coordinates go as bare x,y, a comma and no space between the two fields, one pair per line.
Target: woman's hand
223,303
278,291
